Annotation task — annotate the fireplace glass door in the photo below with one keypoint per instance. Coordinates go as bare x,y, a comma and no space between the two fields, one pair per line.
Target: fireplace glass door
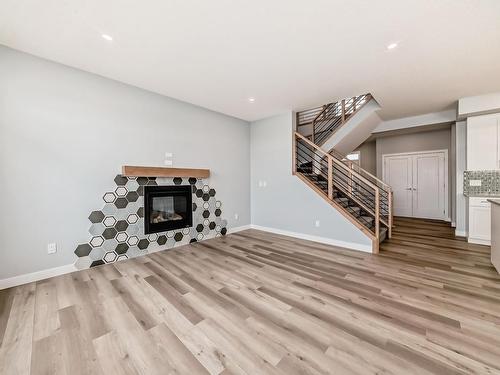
167,208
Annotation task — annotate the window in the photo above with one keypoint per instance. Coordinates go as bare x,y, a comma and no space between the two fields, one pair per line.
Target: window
354,157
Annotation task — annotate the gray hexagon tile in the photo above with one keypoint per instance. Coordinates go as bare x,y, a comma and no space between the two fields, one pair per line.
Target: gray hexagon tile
83,262
109,209
96,229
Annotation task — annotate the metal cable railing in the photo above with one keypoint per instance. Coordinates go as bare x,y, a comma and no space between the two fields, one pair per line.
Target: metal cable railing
327,119
385,190
329,173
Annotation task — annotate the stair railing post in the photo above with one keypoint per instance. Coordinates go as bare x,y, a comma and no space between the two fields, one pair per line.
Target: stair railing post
350,176
313,131
389,194
294,154
330,178
377,213
343,111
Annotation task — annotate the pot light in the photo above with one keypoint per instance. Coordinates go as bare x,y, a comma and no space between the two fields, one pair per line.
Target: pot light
251,100
392,46
107,37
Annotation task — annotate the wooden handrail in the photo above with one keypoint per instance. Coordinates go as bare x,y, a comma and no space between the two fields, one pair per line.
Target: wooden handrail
339,156
313,145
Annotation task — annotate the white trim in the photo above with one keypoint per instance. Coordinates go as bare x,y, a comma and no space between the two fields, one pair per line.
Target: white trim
324,240
446,177
460,233
51,272
36,276
453,224
239,229
479,241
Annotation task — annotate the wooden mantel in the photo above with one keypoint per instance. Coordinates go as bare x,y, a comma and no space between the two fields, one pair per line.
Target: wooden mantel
135,171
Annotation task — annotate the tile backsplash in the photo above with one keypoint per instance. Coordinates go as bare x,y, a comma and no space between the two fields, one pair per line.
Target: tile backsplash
481,183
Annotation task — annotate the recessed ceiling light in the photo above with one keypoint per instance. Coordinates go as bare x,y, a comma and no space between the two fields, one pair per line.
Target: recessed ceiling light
392,46
251,100
109,38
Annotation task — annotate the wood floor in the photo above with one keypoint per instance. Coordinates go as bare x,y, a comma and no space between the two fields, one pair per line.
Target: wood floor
258,303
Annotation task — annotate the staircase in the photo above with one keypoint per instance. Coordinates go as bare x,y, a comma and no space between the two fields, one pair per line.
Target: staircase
361,197
322,122
341,125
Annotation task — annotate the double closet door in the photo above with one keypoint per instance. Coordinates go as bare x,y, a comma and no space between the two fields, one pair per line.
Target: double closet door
419,182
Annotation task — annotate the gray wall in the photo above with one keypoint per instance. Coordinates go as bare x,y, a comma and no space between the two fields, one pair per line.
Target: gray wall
287,203
423,141
368,155
64,135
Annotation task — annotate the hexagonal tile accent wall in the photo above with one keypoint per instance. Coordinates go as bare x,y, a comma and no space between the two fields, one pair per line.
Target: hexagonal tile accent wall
116,231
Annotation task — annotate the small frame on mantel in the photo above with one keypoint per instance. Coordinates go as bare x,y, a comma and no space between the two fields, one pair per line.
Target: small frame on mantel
137,171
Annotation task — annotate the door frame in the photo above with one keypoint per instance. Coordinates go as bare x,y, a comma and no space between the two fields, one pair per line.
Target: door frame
446,177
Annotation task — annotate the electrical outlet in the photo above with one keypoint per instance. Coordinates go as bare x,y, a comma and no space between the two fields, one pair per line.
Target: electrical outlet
168,162
316,223
236,216
52,248
168,155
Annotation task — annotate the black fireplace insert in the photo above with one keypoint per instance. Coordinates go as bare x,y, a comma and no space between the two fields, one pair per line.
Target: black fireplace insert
167,208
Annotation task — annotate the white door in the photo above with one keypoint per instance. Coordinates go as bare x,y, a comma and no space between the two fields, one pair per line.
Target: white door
398,174
428,186
419,183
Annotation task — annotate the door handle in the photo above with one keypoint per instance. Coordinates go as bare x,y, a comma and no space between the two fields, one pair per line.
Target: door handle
408,188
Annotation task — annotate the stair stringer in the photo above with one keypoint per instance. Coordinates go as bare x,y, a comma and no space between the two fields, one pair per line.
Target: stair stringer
356,130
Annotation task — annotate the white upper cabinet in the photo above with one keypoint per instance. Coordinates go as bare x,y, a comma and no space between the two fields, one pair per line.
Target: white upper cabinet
483,142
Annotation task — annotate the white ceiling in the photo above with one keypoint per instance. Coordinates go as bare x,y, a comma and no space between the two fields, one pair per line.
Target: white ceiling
288,54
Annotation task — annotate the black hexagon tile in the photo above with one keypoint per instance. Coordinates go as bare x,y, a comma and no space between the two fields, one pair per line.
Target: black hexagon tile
96,217
120,180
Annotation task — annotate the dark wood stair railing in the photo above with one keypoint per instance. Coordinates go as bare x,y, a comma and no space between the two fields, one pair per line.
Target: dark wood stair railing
355,196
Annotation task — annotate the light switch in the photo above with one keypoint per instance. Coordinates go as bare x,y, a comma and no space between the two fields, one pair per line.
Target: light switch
51,248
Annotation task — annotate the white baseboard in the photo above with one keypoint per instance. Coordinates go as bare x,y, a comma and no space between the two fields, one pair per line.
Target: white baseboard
239,229
453,224
51,272
36,276
324,240
460,233
479,241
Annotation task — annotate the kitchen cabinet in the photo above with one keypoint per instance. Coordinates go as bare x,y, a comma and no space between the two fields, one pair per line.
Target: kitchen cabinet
479,221
483,142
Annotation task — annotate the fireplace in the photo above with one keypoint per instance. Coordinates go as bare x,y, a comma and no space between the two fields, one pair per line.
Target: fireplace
167,208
